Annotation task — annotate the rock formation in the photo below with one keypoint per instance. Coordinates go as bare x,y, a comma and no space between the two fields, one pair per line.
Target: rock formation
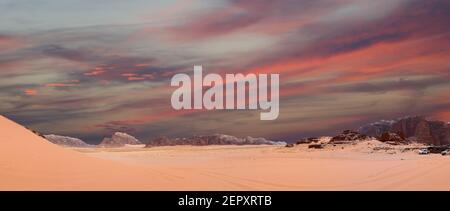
217,139
289,145
307,140
423,131
376,129
119,139
315,146
393,138
348,136
412,126
415,128
66,141
440,131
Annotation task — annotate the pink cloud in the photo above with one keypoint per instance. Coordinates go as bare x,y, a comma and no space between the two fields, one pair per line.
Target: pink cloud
9,43
136,78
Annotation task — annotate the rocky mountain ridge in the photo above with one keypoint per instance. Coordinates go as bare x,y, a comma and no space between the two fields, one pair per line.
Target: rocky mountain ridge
216,139
414,128
66,141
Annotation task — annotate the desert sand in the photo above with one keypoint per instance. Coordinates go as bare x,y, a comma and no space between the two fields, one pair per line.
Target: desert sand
29,162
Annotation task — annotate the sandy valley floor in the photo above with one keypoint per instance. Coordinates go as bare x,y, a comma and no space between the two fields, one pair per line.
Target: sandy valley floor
280,168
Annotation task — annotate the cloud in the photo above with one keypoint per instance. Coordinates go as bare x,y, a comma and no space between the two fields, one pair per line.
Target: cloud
8,43
103,66
65,53
61,85
240,15
30,92
320,40
341,63
401,84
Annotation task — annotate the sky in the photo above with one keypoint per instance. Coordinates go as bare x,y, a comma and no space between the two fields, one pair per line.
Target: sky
88,68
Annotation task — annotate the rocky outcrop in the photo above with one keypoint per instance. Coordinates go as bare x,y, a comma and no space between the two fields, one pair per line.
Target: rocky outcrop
415,128
411,126
119,140
161,141
376,129
315,146
217,139
348,136
393,138
289,145
440,131
66,141
307,140
420,130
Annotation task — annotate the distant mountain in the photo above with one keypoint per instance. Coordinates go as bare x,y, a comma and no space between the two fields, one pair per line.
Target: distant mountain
66,141
376,129
414,128
216,139
119,139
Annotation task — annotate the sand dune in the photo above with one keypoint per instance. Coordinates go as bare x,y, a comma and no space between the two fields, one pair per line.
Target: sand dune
28,162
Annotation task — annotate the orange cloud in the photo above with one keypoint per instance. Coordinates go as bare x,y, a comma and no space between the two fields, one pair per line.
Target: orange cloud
95,71
128,74
30,92
136,78
442,115
141,65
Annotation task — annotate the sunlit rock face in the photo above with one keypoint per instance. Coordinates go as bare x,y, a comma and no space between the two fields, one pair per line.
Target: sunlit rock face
416,128
119,139
66,141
